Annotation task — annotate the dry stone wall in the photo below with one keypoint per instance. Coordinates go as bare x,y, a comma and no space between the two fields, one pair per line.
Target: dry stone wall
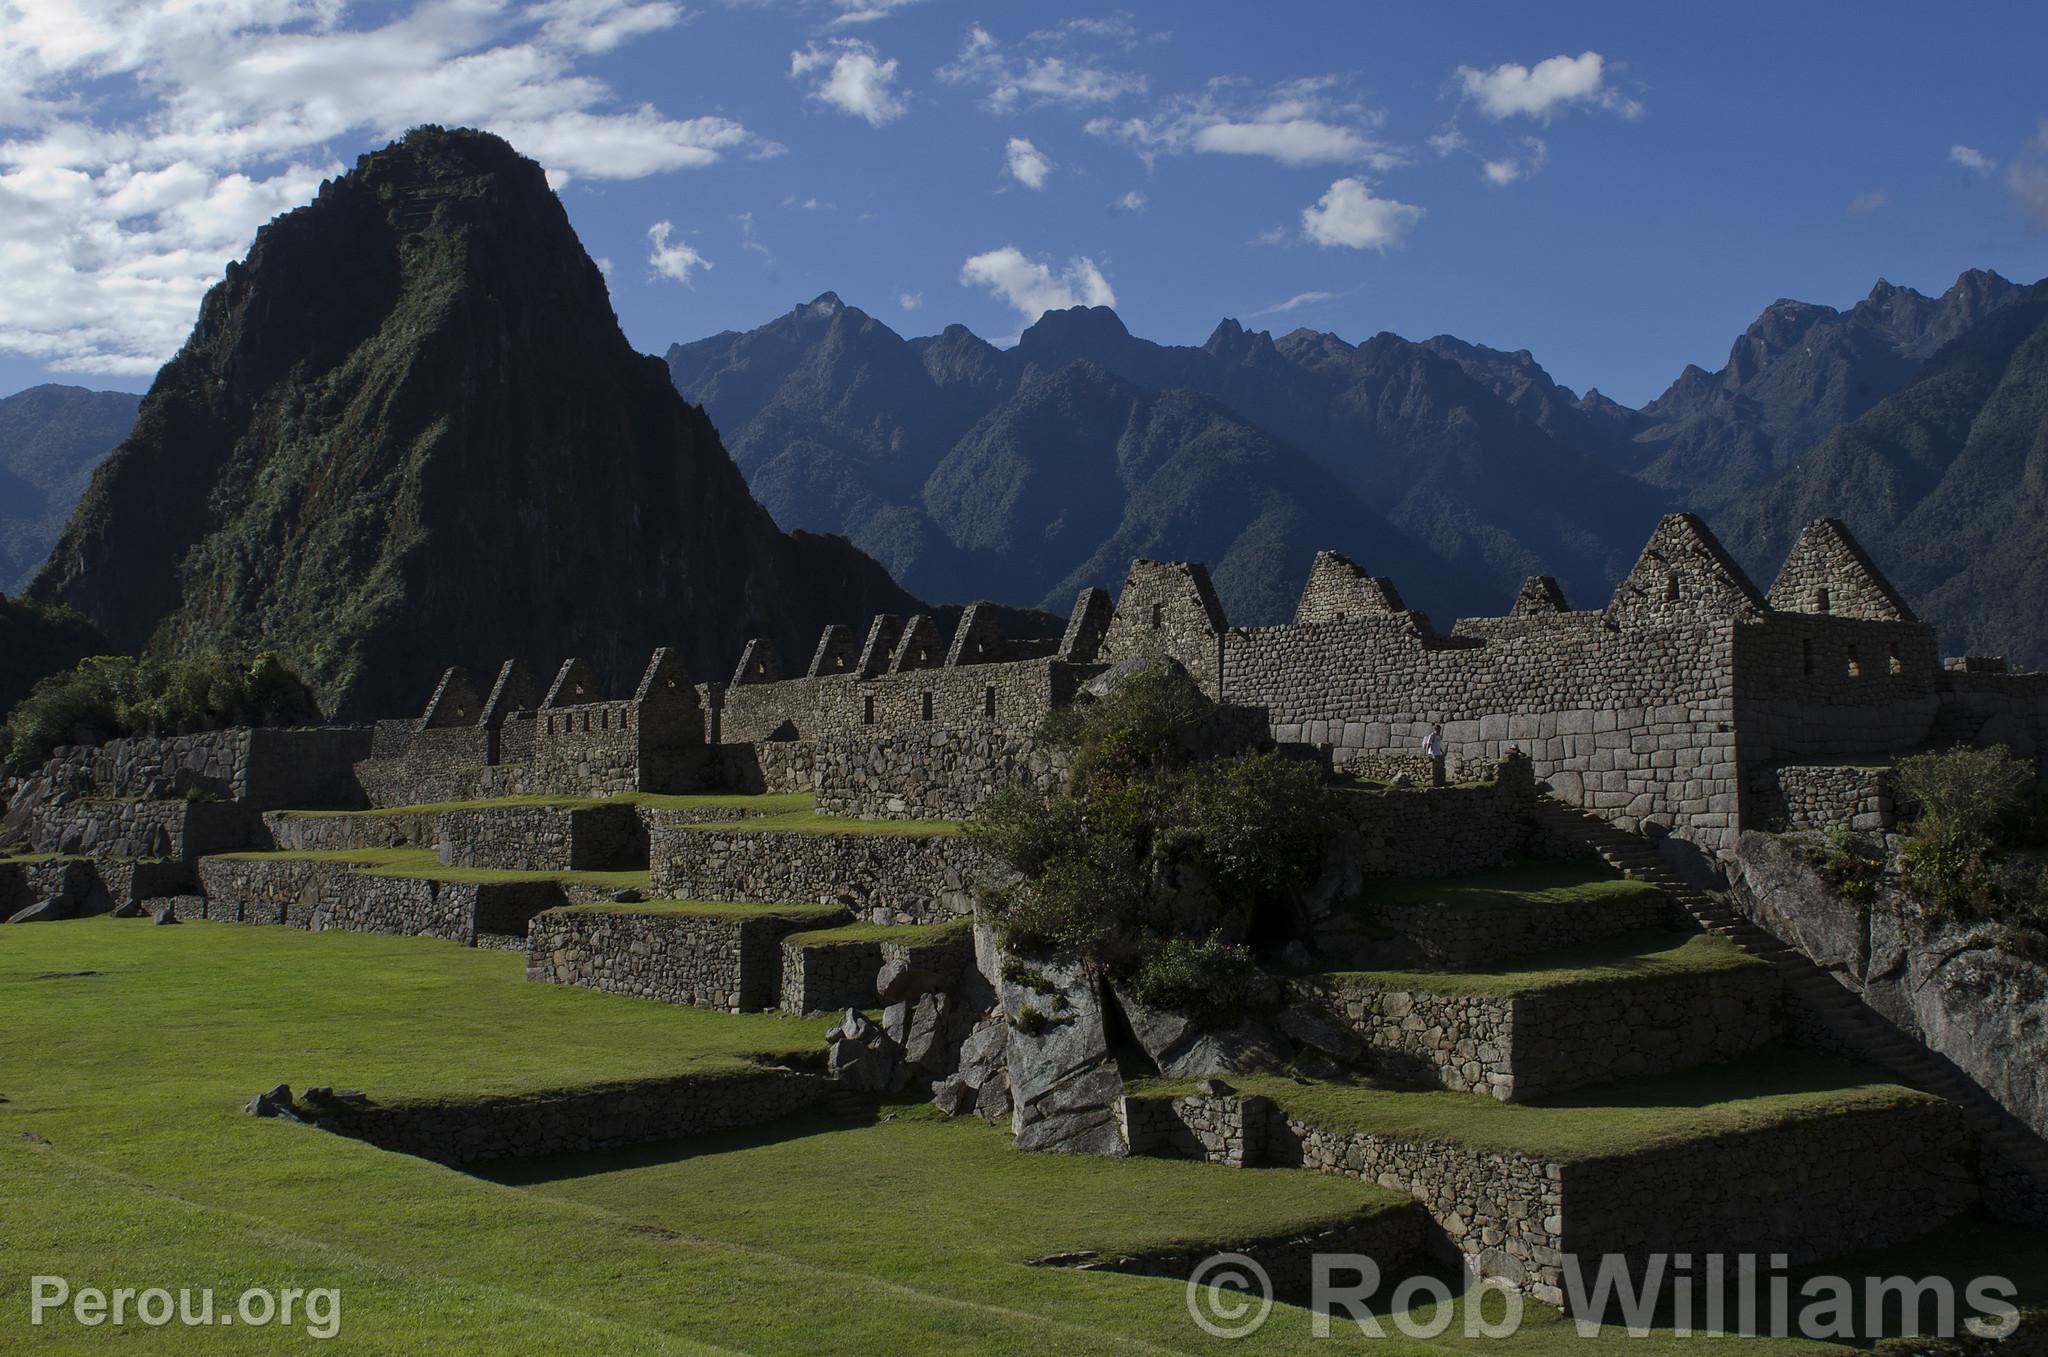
1006,696
940,775
718,961
1823,797
1543,1042
542,838
882,878
180,829
825,977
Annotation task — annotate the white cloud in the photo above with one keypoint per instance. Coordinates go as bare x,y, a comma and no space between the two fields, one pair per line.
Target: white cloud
857,80
747,240
1863,204
1449,141
1027,164
1350,215
206,119
1515,168
1294,303
866,11
1134,201
1514,90
1970,158
1036,81
1032,287
2027,178
673,261
1297,123
910,301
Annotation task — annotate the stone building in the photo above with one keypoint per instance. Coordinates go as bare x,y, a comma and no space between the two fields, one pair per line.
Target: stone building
1690,703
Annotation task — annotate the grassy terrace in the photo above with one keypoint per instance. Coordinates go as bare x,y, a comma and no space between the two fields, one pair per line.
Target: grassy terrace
861,1229
1630,959
1772,1087
913,934
779,803
713,909
804,822
1542,883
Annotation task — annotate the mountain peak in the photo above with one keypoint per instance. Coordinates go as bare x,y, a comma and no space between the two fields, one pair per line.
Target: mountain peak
1077,331
824,304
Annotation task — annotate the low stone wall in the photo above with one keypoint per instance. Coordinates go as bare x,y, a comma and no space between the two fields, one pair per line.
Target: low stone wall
1811,1189
1379,765
883,878
764,766
1823,797
930,775
1437,831
89,886
710,961
576,1120
1532,1045
295,833
176,828
323,895
261,768
822,977
542,838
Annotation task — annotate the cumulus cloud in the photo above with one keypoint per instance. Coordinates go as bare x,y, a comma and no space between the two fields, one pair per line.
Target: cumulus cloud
205,120
1027,164
852,77
675,261
1970,158
1008,83
1513,90
1512,169
1134,201
1351,216
1294,303
1297,123
910,301
2027,178
1031,286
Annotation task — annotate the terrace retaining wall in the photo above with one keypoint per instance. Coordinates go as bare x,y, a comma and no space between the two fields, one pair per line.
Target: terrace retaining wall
729,963
883,878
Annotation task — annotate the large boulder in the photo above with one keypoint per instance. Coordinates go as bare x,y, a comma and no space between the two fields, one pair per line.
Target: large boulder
1063,1080
43,911
1180,1048
860,1055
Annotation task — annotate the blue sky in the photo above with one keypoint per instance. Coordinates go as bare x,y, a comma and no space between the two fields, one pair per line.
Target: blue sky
1618,188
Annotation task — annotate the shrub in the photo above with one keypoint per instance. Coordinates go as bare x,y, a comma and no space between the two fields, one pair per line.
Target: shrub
1852,864
108,696
1150,863
1977,806
1986,791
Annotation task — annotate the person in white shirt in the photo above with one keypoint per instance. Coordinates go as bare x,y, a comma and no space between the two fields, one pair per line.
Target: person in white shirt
1433,745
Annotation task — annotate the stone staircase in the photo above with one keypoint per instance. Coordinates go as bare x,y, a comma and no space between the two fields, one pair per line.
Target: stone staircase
1858,1029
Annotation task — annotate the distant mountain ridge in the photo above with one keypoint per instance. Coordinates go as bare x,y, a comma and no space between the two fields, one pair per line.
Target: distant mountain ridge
51,438
1454,468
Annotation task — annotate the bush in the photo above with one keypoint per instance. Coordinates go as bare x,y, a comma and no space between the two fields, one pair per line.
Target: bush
1147,850
1852,864
109,696
1977,806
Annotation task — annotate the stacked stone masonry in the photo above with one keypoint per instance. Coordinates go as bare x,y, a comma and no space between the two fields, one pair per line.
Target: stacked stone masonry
882,878
722,961
1531,1045
1808,1188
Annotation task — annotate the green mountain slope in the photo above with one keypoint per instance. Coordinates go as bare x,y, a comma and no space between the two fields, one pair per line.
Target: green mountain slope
51,437
407,432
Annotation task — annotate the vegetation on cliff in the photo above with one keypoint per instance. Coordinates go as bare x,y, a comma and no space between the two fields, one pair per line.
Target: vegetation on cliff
1973,851
36,642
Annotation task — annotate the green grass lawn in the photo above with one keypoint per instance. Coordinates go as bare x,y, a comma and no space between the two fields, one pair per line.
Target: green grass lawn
1771,1087
1630,959
804,822
860,1230
776,803
714,909
1542,883
916,935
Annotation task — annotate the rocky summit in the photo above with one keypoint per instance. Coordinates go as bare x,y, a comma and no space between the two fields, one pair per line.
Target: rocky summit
407,427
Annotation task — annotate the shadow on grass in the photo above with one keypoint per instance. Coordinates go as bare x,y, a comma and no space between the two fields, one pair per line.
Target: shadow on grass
836,1111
